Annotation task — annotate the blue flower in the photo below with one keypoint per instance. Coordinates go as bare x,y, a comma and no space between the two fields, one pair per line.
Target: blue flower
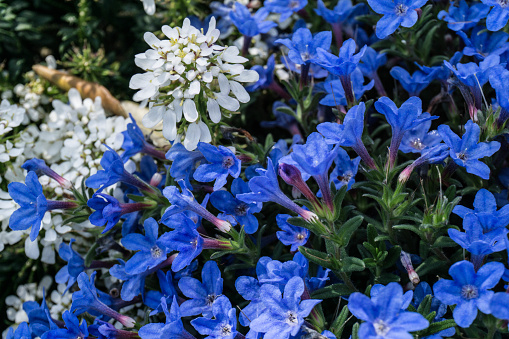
168,292
474,75
187,241
203,294
172,328
37,317
349,133
338,14
291,235
469,289
248,25
75,265
152,250
499,305
88,300
464,17
279,273
284,314
395,13
414,83
236,211
112,173
185,201
285,7
402,119
384,315
419,138
224,324
345,170
33,205
265,187
265,75
497,18
371,61
72,330
467,151
134,142
21,332
474,240
223,162
485,209
303,45
314,71
183,162
336,94
40,168
482,44
343,64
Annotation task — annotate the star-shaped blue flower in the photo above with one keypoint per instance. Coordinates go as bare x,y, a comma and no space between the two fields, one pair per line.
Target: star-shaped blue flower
223,163
464,17
395,13
248,25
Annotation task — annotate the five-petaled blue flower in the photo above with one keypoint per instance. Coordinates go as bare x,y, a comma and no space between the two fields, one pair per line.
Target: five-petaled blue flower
343,64
284,7
224,323
414,83
419,138
336,93
469,290
291,235
234,210
395,13
185,239
284,314
152,249
384,314
467,150
223,162
464,17
203,294
303,45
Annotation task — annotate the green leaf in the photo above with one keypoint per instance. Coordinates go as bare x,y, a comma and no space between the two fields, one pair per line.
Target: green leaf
392,256
444,241
346,230
338,201
332,291
89,257
338,325
430,264
351,264
411,228
320,258
355,331
297,221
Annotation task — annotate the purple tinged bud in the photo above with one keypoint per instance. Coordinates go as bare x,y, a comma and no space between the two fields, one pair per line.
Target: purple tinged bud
40,168
404,257
292,176
156,179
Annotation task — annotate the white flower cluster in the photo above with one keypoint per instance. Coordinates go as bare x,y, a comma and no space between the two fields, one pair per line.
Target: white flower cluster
10,116
70,139
187,75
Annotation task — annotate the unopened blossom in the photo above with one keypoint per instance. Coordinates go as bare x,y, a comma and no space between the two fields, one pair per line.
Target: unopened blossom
187,76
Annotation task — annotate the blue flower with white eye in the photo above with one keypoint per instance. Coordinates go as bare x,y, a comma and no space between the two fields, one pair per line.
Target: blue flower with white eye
482,43
303,45
203,294
224,323
284,7
395,13
234,210
469,290
186,240
419,138
291,235
284,314
183,162
152,249
499,14
464,17
384,314
223,163
343,64
345,170
248,25
467,150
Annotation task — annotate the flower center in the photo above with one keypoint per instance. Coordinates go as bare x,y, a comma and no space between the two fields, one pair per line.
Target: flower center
226,330
462,156
469,292
228,162
417,144
400,9
300,236
381,327
291,318
209,299
241,209
503,3
156,252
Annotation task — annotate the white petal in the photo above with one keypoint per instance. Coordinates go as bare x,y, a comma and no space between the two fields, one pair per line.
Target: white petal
224,85
214,110
48,255
151,39
75,98
153,117
170,125
247,76
32,248
192,137
149,6
227,102
204,132
145,93
231,54
190,111
141,80
239,91
194,88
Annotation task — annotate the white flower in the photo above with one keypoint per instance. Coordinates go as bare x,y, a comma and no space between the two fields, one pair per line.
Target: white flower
10,116
149,6
188,75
